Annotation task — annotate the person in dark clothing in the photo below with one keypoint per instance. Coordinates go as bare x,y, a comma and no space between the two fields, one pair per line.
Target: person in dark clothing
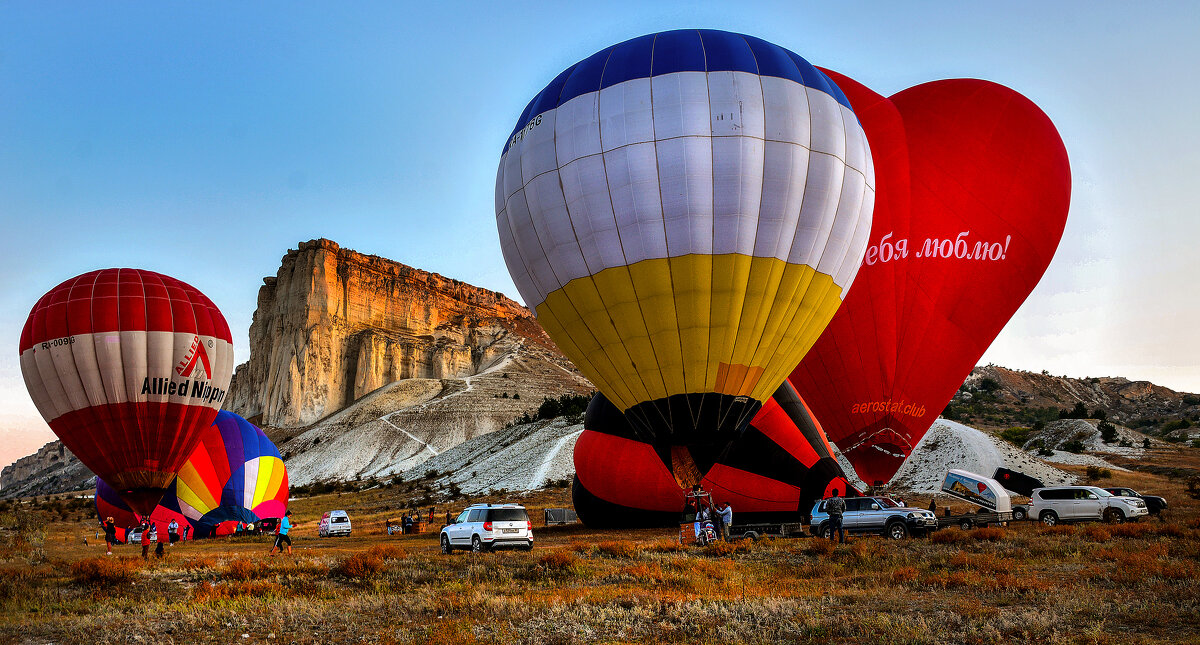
932,505
836,506
407,523
110,534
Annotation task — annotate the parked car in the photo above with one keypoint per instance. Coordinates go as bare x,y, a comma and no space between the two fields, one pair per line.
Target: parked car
334,523
487,526
1081,504
880,515
1154,503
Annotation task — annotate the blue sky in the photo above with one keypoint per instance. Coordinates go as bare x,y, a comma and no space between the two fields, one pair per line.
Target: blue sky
203,140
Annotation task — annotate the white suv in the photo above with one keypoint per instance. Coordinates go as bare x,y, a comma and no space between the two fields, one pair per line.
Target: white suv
485,526
1082,503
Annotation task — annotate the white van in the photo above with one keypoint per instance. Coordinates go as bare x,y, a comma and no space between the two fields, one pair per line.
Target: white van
334,523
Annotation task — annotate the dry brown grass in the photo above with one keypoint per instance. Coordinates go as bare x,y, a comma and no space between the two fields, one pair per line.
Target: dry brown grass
104,571
952,535
1022,584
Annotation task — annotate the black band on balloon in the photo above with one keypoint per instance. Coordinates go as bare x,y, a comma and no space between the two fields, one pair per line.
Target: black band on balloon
693,419
597,513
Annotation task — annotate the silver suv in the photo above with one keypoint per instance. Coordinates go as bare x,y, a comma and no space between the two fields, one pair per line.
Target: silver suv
880,515
486,526
1083,503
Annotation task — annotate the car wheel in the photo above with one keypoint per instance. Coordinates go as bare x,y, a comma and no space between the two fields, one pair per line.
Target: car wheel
826,531
477,544
966,525
750,535
897,530
1018,514
1114,516
446,548
1049,518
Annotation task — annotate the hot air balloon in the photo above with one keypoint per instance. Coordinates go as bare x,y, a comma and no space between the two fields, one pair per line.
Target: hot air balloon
235,474
778,467
127,366
110,504
973,190
683,212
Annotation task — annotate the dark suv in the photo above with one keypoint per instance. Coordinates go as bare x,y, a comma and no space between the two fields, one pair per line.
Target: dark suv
881,515
1154,503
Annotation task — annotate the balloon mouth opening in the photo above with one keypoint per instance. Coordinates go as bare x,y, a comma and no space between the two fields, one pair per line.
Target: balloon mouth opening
143,500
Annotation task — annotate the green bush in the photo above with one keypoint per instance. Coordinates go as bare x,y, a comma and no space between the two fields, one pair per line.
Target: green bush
1108,432
1074,445
1016,436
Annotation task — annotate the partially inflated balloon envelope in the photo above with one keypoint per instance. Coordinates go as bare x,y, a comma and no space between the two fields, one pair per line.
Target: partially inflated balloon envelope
110,504
973,190
779,466
127,366
683,212
235,474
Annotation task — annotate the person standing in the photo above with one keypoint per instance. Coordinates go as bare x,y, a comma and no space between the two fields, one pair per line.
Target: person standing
285,525
187,531
145,540
726,516
110,533
173,532
836,506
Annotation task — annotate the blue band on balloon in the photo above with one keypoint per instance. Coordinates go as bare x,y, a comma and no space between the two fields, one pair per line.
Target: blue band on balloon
668,52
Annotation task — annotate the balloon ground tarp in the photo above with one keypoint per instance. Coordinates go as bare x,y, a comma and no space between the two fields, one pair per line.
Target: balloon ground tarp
235,474
773,472
684,212
973,188
127,367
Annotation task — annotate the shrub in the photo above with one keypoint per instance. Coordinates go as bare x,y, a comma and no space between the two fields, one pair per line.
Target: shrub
1061,529
558,560
988,533
1096,472
1074,445
360,566
618,549
952,535
1108,432
1096,533
820,547
1016,436
241,569
387,552
104,571
904,575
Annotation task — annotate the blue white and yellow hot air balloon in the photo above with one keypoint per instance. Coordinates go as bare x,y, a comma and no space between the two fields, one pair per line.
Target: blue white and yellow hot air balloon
684,212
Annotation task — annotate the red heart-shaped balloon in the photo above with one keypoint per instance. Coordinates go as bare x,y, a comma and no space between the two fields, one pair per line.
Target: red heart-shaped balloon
972,190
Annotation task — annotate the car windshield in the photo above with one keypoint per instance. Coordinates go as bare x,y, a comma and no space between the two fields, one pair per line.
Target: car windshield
1101,492
887,502
338,520
507,515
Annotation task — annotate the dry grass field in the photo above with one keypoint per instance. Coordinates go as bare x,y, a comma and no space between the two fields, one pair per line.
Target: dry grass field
1089,583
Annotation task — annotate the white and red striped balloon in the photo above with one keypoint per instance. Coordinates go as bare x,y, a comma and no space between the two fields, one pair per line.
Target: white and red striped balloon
128,367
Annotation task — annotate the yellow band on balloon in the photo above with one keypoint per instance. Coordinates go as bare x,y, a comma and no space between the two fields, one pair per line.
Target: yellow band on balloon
729,323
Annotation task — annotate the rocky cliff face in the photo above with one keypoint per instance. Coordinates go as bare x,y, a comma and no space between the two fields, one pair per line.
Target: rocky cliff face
52,469
334,325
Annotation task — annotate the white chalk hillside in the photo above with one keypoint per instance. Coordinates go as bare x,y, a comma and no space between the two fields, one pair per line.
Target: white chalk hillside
953,445
526,457
521,458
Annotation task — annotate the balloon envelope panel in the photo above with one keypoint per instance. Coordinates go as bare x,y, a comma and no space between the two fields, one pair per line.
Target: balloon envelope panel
973,190
127,366
776,469
683,211
234,474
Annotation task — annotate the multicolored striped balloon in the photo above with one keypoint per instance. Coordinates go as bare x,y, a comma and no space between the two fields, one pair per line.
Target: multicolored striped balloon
128,367
234,474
